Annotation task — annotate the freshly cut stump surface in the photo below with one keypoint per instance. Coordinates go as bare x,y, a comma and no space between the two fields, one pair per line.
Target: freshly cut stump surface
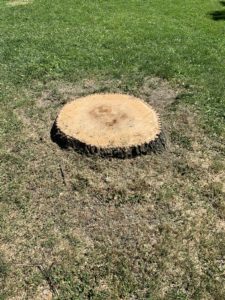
109,125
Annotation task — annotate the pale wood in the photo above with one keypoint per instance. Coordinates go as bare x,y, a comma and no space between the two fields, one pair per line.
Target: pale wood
109,125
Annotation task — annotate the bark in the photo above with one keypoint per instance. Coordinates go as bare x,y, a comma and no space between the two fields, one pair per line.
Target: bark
155,146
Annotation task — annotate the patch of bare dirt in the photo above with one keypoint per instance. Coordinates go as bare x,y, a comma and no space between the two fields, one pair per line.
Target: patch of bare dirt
158,92
62,92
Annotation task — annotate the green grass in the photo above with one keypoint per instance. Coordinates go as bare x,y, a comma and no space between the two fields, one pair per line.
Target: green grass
149,228
72,40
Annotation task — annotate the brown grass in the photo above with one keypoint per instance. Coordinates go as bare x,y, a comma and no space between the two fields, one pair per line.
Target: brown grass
146,228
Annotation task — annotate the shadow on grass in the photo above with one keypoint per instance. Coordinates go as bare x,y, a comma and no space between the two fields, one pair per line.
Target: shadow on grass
218,15
222,3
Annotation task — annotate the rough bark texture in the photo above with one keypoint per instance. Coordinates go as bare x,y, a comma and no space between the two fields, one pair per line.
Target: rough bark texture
65,142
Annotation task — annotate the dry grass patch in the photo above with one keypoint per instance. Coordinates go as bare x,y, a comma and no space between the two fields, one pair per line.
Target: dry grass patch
150,227
18,2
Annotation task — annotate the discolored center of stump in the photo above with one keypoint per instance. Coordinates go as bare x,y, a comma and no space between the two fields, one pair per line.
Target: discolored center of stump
108,115
108,121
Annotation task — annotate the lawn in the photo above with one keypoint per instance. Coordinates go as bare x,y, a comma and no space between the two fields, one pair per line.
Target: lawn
79,227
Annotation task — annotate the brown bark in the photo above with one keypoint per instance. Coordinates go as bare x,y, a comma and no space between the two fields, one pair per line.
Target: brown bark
65,142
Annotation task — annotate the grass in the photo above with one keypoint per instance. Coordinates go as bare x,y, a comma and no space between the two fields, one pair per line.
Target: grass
148,228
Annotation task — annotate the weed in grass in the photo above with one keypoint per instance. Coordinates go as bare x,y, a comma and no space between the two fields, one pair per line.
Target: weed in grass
80,183
4,271
182,140
184,169
217,166
215,195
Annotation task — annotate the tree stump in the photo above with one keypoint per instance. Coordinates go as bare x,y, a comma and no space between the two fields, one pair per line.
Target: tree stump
114,125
